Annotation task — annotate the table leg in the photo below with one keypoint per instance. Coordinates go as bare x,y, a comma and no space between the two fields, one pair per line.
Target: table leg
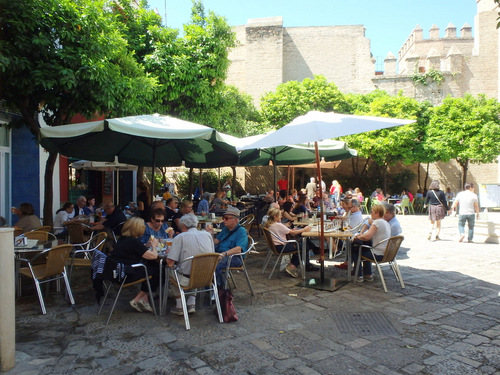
165,290
303,262
348,258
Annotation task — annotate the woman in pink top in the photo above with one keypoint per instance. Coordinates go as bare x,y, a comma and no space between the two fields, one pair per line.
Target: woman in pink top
274,224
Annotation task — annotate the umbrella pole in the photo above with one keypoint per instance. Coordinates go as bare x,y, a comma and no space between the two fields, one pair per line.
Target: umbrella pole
287,181
153,174
322,219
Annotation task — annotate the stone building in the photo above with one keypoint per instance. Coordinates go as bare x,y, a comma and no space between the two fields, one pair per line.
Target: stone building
454,63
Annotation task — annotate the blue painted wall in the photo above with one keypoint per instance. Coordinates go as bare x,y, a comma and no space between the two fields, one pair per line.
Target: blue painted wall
25,170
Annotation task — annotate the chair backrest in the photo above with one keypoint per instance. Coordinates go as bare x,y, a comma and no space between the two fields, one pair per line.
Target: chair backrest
98,240
45,228
202,270
75,232
38,235
247,222
405,202
56,260
269,239
393,245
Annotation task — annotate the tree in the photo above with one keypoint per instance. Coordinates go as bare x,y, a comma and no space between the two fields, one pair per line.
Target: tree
191,70
465,129
63,57
292,99
388,146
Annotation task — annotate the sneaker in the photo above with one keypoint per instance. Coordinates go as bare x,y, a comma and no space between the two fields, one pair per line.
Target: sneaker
191,309
135,305
429,236
342,266
360,279
368,278
177,311
461,239
437,238
292,271
145,306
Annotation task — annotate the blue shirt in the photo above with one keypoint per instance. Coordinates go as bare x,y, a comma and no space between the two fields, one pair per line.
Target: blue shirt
160,233
203,206
229,239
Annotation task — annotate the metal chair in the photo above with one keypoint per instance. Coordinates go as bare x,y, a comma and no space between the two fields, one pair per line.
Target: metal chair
52,268
116,236
272,249
247,222
201,279
365,206
124,284
85,260
391,250
243,256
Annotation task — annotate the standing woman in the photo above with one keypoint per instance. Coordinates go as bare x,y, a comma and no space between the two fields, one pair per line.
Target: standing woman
435,199
143,200
335,191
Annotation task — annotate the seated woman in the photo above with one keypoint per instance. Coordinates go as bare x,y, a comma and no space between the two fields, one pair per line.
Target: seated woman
379,231
185,208
130,250
288,217
91,208
274,224
301,207
156,227
28,221
219,203
63,215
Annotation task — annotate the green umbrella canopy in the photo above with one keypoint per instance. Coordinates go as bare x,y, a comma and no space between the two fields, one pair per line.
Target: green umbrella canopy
329,150
146,140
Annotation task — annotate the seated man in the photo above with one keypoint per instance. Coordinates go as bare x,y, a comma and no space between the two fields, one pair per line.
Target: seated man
188,243
231,240
390,217
114,216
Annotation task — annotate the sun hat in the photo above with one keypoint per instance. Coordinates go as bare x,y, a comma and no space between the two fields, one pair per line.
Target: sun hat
232,211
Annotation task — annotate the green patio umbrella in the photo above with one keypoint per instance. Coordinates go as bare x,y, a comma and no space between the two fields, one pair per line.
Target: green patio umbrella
146,140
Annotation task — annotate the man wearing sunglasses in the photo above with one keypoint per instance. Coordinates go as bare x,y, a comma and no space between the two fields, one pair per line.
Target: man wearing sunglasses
231,240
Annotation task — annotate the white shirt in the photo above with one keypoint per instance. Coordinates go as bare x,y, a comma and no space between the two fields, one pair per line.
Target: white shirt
466,201
355,219
190,243
61,217
383,232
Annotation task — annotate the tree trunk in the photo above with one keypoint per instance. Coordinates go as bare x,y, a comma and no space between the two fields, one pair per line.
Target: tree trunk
384,177
426,175
233,182
465,167
140,174
418,176
190,186
49,189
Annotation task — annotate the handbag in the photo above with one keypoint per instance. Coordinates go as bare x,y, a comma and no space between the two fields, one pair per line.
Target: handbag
445,208
227,306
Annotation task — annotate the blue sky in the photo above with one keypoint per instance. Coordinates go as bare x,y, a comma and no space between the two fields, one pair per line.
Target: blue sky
388,23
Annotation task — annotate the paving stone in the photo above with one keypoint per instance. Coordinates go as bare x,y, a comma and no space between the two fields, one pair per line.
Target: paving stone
358,343
306,370
414,368
467,361
319,355
476,340
434,359
435,349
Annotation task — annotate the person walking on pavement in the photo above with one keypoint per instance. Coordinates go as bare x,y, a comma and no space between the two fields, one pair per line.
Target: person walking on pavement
468,205
436,201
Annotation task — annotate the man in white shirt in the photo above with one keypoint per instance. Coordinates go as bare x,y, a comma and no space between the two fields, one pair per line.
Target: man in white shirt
356,217
311,188
468,205
188,243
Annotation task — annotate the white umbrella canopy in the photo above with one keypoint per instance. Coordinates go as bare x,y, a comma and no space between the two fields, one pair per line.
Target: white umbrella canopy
315,127
104,166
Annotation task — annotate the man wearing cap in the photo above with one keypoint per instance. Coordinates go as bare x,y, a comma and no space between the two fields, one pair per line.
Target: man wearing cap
231,240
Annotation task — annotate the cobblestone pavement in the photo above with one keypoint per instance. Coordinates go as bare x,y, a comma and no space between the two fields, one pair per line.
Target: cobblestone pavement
446,321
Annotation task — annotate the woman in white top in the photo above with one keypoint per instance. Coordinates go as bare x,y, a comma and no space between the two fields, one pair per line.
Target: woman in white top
63,215
274,224
379,231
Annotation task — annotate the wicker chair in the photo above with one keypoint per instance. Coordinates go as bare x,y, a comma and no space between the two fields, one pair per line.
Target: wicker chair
201,279
45,228
52,268
391,250
272,249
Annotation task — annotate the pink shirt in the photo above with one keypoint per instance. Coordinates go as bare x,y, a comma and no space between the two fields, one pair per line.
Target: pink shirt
280,230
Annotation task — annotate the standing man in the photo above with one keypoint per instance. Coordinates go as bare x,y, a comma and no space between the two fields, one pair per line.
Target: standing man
311,188
190,242
283,187
468,206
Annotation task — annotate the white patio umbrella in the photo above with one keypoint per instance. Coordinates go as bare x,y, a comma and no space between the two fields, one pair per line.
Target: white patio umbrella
315,127
105,166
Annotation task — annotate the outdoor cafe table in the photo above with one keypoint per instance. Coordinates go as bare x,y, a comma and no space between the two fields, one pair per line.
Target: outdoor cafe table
331,235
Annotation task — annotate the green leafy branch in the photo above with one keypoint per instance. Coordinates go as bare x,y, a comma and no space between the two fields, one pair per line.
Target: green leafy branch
432,75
